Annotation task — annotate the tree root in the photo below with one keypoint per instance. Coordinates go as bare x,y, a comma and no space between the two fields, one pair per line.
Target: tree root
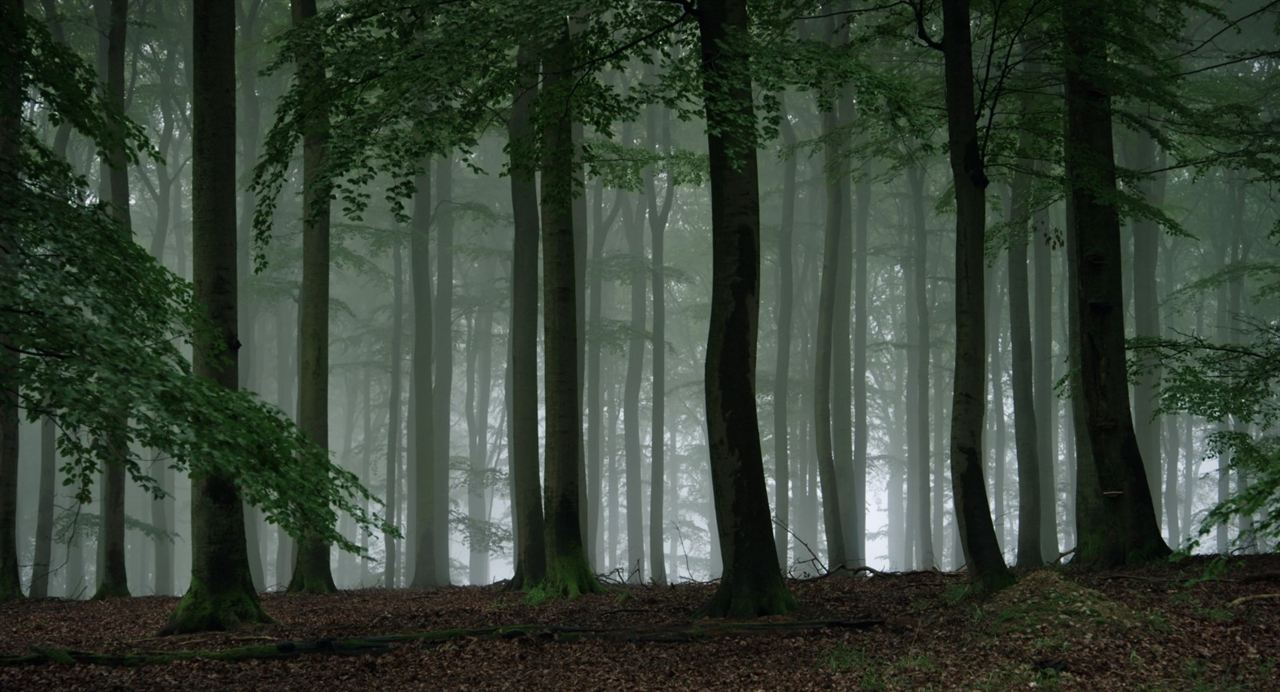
685,632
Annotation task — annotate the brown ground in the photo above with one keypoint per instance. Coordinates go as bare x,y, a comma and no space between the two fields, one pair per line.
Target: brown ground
1144,629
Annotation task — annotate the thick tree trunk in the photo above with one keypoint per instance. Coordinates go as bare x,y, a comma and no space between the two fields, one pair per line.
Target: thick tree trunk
977,535
568,571
751,584
530,567
1132,533
12,55
221,595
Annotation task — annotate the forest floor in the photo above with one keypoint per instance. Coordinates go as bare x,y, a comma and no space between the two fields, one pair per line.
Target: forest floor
1161,627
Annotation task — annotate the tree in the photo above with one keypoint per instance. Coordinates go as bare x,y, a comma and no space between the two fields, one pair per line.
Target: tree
1025,432
531,558
986,565
221,595
631,401
568,572
659,213
751,583
311,572
782,363
12,58
393,415
917,278
442,361
113,579
1130,533
422,401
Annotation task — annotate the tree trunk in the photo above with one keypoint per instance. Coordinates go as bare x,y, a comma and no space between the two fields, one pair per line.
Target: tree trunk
1025,433
782,364
861,237
1046,400
480,380
221,595
977,535
393,413
568,572
833,248
751,584
44,511
422,401
659,214
530,558
286,399
442,221
311,571
113,580
12,56
1132,533
917,276
631,404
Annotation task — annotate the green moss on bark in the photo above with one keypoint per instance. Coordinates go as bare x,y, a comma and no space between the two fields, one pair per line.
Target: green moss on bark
205,609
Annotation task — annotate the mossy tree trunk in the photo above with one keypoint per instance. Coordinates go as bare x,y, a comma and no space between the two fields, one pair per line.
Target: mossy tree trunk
568,572
311,571
751,583
221,595
1130,532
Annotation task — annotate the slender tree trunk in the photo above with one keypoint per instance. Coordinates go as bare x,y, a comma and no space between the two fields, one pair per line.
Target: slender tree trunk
422,402
1025,433
751,584
442,221
1132,532
833,247
568,571
311,571
977,535
658,214
530,567
631,404
1046,401
480,382
40,566
286,399
861,237
918,458
782,364
393,413
221,595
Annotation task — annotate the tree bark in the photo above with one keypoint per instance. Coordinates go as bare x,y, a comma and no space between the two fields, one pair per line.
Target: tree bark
393,413
918,457
782,362
861,237
1025,433
442,354
977,534
422,400
530,567
12,57
568,572
751,584
311,571
658,213
631,403
1132,534
221,595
